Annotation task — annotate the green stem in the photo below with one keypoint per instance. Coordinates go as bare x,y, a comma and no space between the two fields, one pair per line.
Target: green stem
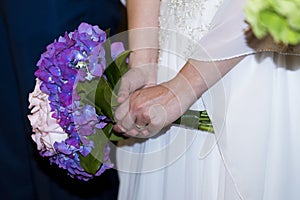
197,120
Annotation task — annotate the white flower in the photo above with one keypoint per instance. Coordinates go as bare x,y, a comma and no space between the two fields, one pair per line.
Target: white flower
47,130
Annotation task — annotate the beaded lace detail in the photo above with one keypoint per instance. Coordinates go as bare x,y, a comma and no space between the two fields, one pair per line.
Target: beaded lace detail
189,18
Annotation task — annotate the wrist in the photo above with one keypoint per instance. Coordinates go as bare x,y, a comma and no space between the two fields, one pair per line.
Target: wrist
143,57
143,44
182,89
192,79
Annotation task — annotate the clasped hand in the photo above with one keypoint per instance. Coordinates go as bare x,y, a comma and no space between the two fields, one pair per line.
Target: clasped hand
146,108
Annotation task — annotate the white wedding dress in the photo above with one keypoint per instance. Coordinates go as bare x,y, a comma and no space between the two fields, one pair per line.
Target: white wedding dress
254,109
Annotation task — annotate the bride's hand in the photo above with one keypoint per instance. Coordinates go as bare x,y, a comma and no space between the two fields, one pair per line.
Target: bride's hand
142,73
149,110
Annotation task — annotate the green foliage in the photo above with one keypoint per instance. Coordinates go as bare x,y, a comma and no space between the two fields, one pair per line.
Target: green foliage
93,161
121,62
105,96
86,91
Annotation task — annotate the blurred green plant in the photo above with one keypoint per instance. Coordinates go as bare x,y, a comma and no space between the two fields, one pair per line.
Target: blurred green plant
279,18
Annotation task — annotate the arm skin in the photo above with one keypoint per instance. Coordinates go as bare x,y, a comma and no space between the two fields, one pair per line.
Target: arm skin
201,75
143,42
142,14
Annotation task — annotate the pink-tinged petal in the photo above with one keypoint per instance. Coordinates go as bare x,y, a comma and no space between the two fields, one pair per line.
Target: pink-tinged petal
47,130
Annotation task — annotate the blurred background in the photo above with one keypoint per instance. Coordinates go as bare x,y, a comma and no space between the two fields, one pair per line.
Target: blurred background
26,27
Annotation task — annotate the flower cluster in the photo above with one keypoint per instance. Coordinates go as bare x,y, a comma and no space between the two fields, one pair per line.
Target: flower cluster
279,18
61,122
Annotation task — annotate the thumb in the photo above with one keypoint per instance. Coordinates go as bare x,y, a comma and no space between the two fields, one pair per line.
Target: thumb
124,92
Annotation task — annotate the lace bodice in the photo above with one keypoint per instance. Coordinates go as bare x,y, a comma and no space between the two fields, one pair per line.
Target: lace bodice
191,18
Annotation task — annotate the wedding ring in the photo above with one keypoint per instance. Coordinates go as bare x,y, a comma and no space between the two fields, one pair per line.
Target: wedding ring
138,127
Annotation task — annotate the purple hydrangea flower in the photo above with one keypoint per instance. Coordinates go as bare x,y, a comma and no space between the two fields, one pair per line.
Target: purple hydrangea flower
77,56
68,159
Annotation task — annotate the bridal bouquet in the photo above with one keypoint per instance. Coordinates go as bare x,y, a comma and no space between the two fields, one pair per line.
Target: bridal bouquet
74,99
279,18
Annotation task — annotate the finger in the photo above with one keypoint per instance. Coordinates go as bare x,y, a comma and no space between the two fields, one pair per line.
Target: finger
119,129
121,111
133,133
124,90
158,116
142,119
145,134
128,122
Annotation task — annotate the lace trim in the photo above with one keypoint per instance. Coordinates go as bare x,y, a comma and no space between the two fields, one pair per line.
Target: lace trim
191,18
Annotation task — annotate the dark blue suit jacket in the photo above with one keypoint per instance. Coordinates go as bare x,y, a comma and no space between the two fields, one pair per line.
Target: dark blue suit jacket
26,27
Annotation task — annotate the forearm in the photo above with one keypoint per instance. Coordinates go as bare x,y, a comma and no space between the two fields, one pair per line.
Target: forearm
196,77
143,30
201,75
142,14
